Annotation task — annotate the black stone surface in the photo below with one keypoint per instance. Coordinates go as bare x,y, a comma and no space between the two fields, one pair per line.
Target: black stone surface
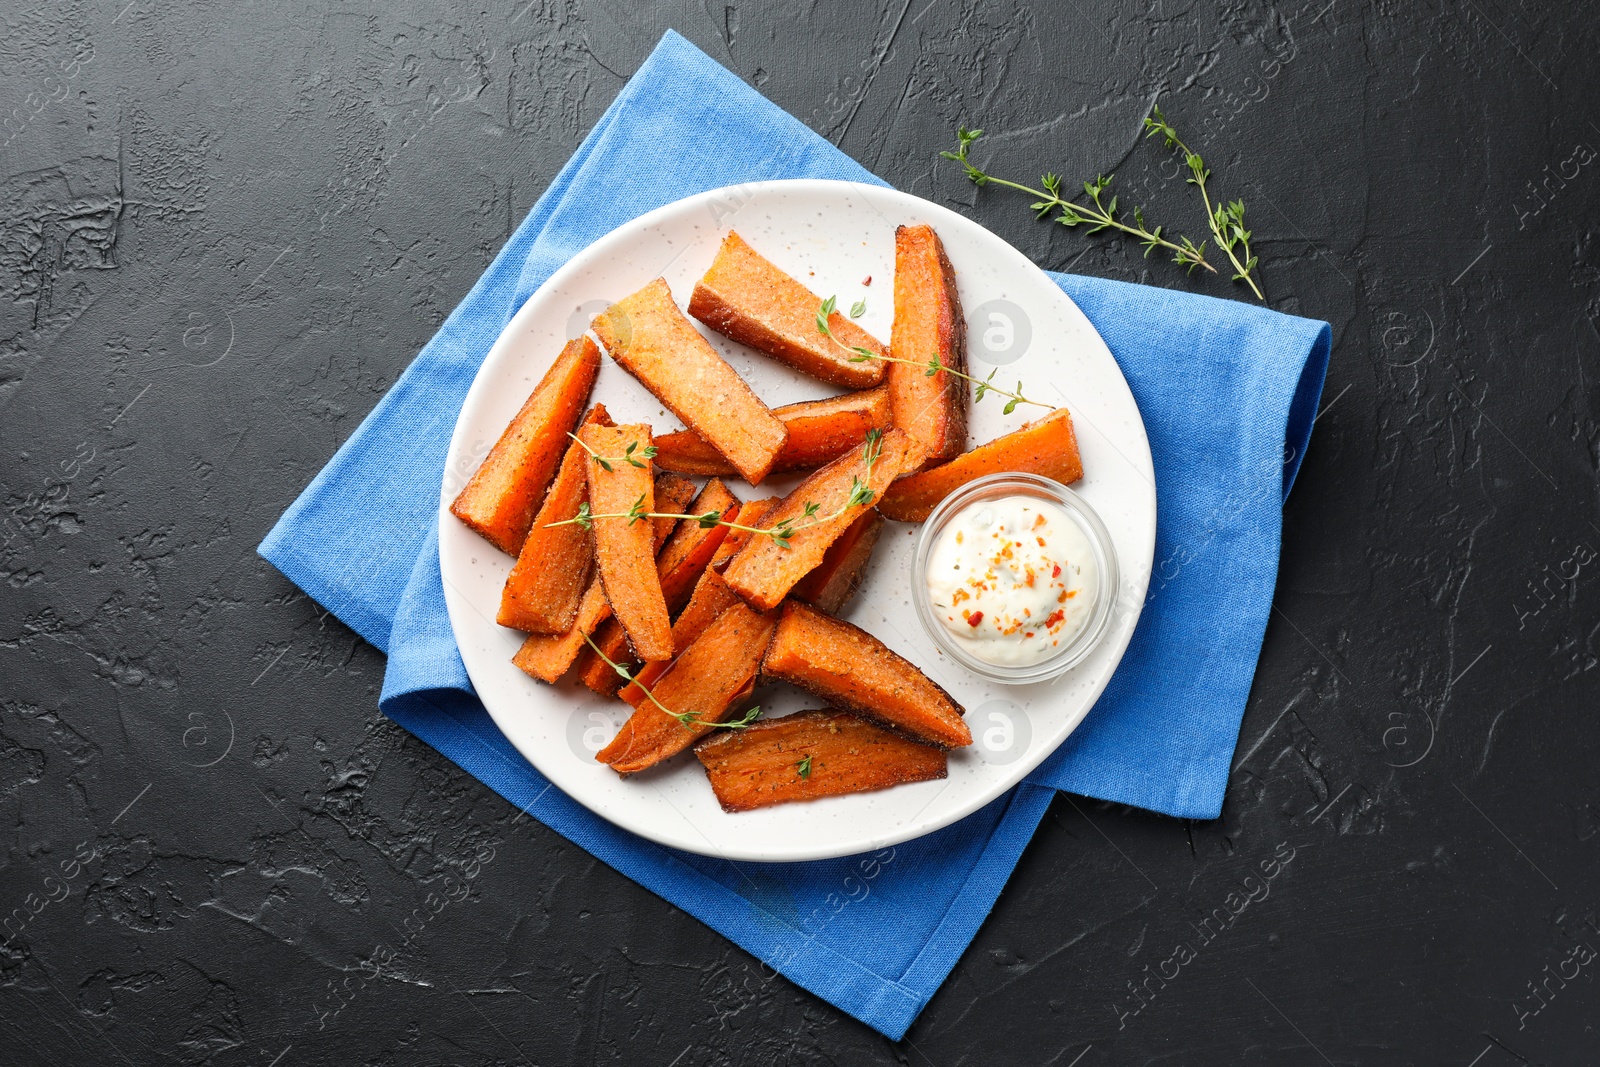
227,227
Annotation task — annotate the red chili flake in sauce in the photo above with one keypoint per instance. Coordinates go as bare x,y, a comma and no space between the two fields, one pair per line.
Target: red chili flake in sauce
974,618
1057,572
867,280
1055,617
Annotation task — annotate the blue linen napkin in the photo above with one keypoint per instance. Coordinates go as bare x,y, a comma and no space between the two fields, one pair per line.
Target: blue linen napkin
1222,389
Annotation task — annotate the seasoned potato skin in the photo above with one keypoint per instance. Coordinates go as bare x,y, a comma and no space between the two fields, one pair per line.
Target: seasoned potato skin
1046,446
841,753
764,571
820,431
624,550
500,500
928,323
711,598
548,656
832,583
706,680
746,297
546,584
653,341
846,665
679,563
751,512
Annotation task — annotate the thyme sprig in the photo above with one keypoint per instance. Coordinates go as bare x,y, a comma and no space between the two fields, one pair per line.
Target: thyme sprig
932,367
687,718
1097,214
708,519
803,768
633,455
1225,219
861,495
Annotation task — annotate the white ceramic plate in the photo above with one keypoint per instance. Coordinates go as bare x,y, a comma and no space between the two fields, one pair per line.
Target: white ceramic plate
832,236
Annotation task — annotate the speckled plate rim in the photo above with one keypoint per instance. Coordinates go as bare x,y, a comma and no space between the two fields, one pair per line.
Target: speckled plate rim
554,727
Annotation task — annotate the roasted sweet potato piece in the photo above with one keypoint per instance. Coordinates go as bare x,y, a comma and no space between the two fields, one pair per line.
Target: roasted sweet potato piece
745,297
688,553
848,666
832,583
502,496
1046,446
928,323
595,673
751,513
711,598
680,563
547,657
553,569
704,681
624,550
764,571
673,494
819,431
812,754
653,341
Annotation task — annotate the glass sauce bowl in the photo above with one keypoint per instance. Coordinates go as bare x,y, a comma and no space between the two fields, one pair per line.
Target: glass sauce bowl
994,487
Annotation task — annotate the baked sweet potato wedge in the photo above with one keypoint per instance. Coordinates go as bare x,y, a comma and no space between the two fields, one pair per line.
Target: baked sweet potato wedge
624,549
746,297
679,563
548,656
502,496
688,552
1046,446
553,569
595,673
819,431
711,598
704,681
812,754
673,494
652,340
751,513
832,583
764,570
928,324
849,667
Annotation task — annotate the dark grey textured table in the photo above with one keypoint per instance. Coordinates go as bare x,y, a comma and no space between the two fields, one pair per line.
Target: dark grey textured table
228,227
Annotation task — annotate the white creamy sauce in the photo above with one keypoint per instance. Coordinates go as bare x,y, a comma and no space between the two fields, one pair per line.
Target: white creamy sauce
1013,579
